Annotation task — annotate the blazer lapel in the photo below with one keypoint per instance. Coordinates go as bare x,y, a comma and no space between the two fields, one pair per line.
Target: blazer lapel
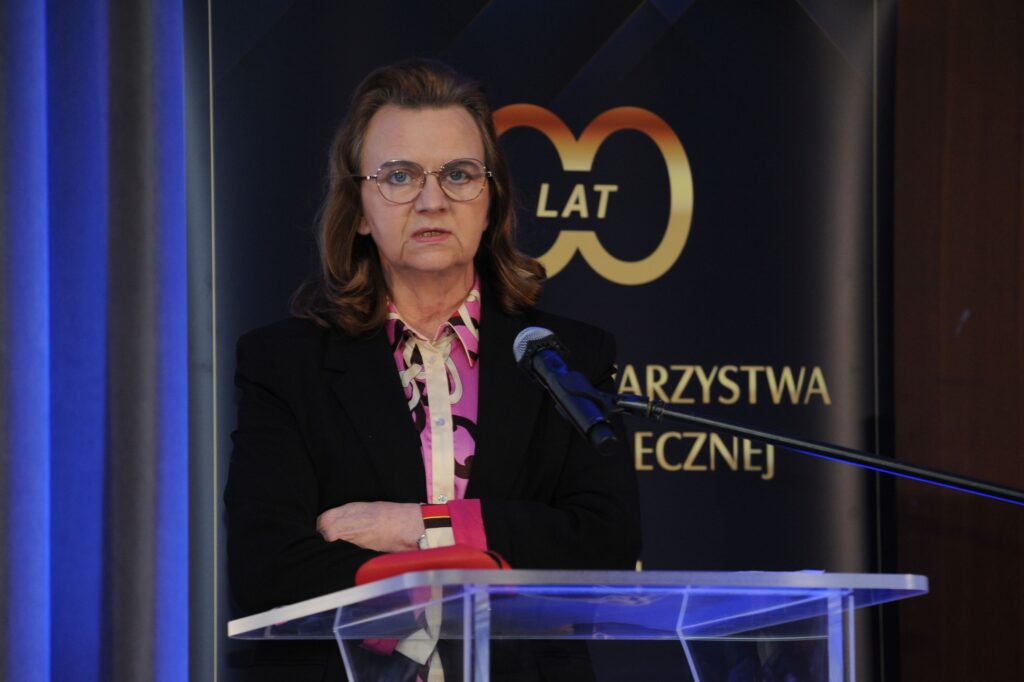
507,409
362,375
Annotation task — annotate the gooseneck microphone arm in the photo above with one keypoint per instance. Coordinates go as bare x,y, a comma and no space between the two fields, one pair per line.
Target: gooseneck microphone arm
655,409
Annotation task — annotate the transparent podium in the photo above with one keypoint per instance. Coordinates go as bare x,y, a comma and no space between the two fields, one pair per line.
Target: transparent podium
443,624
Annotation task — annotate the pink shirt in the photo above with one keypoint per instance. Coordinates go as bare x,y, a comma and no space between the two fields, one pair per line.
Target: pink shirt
448,431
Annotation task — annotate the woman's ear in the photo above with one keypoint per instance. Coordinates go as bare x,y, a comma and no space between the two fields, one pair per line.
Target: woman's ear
364,227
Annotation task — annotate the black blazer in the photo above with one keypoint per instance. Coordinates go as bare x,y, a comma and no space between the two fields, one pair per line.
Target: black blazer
323,420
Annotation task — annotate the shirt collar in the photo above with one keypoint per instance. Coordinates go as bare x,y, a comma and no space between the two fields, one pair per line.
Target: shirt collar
464,322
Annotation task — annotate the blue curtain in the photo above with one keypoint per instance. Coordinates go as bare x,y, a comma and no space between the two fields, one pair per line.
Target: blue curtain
93,334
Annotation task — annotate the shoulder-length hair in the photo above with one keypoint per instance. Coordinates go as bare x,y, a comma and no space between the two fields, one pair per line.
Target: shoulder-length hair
350,291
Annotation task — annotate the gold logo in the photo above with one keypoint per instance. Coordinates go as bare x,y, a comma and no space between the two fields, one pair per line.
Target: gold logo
578,155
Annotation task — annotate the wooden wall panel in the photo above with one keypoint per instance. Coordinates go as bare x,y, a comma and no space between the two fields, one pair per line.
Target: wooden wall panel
959,330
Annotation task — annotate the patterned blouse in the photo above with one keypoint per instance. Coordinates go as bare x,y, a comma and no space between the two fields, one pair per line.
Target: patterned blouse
440,377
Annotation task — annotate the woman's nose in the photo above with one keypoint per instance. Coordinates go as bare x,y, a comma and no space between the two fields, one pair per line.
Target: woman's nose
431,197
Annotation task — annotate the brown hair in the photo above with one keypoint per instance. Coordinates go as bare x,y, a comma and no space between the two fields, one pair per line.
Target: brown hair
349,291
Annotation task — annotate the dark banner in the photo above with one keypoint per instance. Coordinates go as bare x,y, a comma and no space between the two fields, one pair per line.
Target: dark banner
700,178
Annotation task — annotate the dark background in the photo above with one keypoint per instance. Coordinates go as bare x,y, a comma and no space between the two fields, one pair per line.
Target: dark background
793,257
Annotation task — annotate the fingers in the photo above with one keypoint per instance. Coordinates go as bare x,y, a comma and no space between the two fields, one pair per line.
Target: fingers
335,524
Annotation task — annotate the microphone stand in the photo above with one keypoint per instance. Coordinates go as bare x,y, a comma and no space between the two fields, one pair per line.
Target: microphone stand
656,410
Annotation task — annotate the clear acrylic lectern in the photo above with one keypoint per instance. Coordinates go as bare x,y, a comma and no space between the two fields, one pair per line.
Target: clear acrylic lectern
448,619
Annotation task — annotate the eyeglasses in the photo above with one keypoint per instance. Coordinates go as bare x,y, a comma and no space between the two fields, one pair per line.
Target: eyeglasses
400,182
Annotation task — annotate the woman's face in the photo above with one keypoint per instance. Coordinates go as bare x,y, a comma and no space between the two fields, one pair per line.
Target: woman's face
432,235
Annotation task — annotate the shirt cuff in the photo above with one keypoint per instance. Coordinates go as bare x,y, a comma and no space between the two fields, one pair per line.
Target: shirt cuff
468,523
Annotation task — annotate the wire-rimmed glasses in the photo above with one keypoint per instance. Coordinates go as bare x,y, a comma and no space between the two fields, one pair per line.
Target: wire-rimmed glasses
400,182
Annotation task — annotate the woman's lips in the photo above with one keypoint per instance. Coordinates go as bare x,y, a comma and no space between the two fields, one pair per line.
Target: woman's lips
430,234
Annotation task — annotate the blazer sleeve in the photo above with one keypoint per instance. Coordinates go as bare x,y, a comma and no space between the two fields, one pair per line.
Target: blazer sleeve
586,518
275,555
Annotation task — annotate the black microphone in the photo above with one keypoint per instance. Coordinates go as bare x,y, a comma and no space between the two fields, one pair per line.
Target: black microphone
539,353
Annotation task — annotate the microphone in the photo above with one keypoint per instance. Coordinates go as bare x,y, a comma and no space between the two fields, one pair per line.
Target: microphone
538,352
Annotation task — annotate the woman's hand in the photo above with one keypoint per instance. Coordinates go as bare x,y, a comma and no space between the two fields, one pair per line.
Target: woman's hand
380,526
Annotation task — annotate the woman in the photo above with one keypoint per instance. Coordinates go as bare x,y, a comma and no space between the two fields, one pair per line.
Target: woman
394,384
